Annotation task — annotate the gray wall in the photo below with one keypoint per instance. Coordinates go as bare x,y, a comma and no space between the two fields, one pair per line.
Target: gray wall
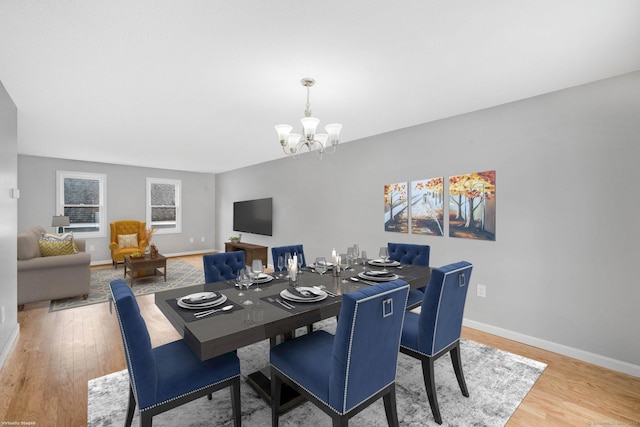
9,214
126,199
557,275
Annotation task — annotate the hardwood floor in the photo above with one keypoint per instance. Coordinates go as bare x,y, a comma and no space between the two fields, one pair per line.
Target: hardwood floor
44,380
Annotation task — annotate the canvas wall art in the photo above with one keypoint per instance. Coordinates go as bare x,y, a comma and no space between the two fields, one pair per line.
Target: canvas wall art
396,216
427,207
472,206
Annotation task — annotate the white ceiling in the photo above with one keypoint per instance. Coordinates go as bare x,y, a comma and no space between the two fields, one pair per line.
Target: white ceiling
198,84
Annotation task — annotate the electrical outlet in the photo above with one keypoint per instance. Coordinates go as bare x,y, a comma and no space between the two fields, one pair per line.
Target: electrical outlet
190,239
92,248
481,291
202,239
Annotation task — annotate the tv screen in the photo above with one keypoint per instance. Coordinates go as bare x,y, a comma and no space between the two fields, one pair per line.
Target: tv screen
253,216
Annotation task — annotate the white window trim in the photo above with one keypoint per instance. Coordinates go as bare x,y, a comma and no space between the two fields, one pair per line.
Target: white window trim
102,178
177,183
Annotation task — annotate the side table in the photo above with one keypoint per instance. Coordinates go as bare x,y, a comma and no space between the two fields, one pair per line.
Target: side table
135,266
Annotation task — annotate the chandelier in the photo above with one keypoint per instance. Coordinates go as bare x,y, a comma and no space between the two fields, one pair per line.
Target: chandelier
293,143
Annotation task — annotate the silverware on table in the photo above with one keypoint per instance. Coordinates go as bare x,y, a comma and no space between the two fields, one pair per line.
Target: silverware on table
206,313
288,307
366,282
331,294
285,304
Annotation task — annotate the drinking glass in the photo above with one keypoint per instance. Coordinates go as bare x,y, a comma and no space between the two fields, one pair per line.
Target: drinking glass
287,259
356,253
280,265
384,255
239,282
364,260
321,268
344,266
350,257
257,268
247,281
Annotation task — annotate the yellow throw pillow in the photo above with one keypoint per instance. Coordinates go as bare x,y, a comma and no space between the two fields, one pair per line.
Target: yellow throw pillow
60,244
55,248
127,241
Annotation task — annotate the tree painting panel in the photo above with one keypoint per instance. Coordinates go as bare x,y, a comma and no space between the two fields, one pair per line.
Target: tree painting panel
472,206
427,206
396,217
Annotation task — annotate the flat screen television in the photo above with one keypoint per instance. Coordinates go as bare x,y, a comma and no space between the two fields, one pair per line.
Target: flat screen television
254,216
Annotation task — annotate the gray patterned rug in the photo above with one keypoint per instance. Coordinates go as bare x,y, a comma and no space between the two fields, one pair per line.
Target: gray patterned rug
179,274
498,381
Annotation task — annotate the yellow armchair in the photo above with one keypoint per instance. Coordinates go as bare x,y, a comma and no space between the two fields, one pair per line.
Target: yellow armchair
126,244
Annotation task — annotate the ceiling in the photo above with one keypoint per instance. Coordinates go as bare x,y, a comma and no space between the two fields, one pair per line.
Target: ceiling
197,85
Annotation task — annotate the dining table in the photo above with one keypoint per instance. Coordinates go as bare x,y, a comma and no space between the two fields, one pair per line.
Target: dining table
268,315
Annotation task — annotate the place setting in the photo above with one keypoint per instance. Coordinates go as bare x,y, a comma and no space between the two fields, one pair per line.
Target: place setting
384,260
201,305
298,298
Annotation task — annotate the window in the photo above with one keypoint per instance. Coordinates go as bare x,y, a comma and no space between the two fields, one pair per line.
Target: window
163,205
81,197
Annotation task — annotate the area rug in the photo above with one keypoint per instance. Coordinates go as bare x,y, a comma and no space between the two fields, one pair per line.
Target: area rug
497,381
179,274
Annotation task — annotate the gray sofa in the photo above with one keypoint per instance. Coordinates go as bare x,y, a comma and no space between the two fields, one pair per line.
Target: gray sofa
52,277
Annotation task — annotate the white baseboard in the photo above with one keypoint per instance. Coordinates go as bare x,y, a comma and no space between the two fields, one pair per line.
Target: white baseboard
585,356
10,342
202,251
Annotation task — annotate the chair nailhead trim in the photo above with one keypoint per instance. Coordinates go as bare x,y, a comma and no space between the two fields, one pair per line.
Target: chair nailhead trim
186,394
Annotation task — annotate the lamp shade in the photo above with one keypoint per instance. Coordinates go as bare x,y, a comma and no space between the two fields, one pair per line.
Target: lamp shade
293,141
60,221
309,124
283,132
322,139
334,131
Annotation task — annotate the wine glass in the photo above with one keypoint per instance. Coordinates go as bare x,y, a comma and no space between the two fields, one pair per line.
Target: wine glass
344,264
364,260
356,253
257,268
247,281
350,257
287,261
321,268
384,255
240,282
280,265
300,262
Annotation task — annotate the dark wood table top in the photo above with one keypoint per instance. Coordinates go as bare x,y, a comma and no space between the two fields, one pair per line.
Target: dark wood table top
228,331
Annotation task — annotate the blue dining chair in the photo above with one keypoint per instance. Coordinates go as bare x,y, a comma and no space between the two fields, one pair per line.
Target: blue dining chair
436,330
345,373
170,375
407,253
281,250
222,266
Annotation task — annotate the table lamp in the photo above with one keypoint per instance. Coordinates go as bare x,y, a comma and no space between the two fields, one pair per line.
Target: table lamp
60,222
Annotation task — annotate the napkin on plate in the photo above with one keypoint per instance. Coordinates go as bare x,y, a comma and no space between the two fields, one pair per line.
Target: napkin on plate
202,299
301,294
374,273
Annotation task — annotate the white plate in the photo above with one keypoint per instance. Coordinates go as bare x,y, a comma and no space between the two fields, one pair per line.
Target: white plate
320,295
198,297
381,263
210,304
377,278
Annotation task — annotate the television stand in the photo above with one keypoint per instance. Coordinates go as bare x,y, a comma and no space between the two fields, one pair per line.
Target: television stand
251,251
